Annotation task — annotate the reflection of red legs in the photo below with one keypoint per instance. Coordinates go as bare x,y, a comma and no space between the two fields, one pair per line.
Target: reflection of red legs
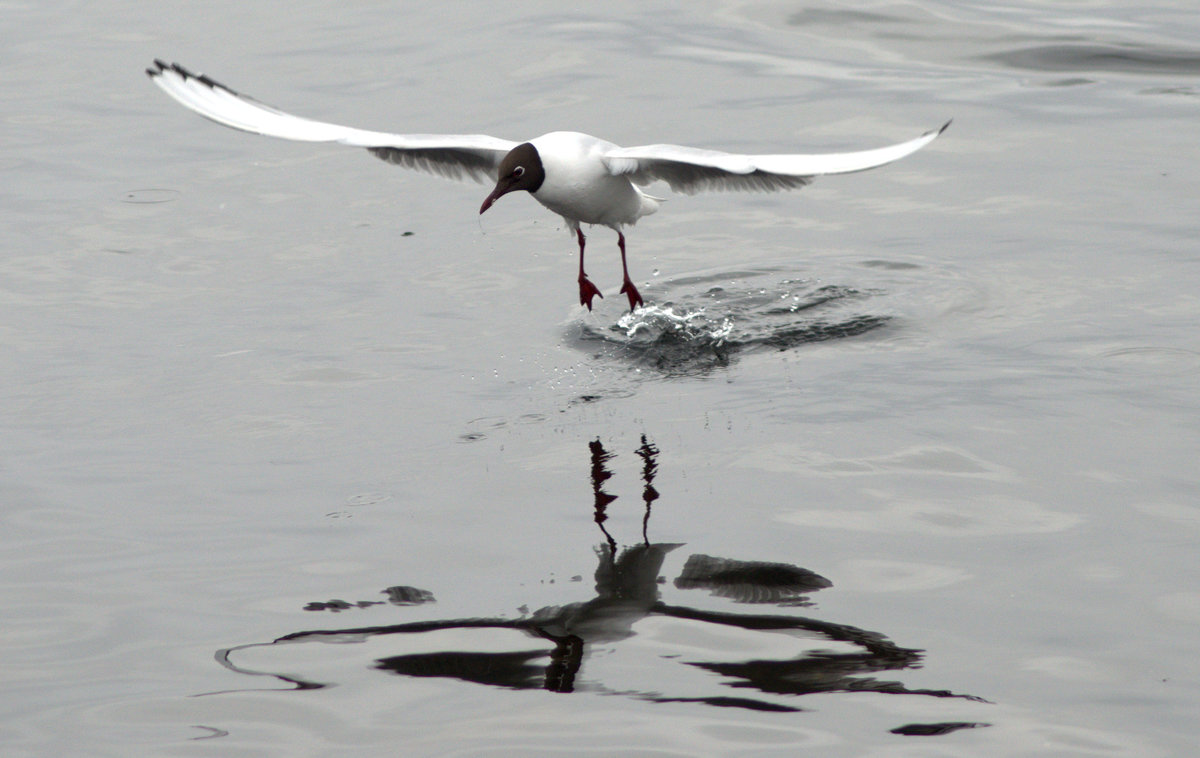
635,297
587,290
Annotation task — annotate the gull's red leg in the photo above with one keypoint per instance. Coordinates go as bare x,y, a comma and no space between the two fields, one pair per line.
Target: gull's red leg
587,290
627,288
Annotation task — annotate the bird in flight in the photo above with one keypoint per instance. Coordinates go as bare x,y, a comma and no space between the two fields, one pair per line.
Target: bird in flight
584,179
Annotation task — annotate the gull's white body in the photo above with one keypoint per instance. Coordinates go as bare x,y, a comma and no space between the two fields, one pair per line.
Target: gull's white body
586,180
579,185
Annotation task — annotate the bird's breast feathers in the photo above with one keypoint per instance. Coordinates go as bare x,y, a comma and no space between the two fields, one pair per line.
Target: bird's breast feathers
579,185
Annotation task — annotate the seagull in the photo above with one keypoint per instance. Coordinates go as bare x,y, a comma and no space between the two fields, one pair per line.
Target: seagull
584,179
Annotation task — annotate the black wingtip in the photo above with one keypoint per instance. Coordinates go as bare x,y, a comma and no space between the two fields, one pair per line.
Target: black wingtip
946,125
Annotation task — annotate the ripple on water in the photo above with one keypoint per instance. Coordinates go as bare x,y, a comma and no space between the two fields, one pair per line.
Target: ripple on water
1148,359
700,322
1115,58
981,516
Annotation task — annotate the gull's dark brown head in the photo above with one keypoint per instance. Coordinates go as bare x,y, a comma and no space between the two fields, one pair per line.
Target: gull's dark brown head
521,169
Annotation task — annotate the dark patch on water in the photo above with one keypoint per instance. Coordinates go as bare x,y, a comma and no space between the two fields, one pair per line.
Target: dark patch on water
150,196
838,17
1189,91
398,595
404,595
891,265
1125,59
702,322
935,730
732,702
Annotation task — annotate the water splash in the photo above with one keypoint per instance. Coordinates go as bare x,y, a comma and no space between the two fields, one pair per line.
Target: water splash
699,323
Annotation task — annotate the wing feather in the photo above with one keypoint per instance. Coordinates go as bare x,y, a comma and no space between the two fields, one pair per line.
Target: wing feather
454,156
690,170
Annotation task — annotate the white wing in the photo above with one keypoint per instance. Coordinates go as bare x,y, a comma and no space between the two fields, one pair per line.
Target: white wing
454,156
690,170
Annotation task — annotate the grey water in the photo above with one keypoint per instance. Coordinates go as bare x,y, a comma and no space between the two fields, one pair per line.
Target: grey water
300,456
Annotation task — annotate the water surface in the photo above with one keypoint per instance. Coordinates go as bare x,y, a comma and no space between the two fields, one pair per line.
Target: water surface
301,456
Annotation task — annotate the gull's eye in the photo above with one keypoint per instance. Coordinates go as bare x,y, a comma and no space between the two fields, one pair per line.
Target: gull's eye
518,171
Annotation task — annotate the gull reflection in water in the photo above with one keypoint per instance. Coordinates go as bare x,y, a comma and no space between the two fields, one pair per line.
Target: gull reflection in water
628,592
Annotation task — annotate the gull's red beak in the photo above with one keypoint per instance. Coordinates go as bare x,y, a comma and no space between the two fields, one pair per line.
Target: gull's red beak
487,203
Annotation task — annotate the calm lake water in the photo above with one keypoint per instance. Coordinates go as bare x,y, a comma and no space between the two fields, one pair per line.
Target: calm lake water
300,456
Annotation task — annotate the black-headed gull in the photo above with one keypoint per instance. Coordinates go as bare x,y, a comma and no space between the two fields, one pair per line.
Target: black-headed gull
581,178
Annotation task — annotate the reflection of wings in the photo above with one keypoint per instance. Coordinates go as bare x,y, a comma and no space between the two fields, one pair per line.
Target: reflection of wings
815,672
806,674
750,581
515,670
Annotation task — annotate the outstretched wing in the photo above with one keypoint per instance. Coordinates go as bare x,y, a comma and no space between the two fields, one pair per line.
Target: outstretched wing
454,156
690,170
